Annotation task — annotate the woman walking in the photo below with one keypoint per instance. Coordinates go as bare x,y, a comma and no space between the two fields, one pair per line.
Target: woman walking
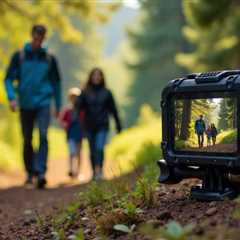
214,133
98,103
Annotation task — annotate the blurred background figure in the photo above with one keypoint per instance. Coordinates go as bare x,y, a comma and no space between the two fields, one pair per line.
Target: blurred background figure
38,81
214,133
98,103
74,131
200,128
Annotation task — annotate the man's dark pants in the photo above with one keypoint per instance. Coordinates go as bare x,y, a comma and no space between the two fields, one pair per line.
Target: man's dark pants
200,139
35,163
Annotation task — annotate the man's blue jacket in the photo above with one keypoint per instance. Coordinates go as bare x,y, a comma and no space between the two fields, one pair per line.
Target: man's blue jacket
37,79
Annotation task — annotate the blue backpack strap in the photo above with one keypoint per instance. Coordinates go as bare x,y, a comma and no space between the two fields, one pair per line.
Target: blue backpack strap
49,59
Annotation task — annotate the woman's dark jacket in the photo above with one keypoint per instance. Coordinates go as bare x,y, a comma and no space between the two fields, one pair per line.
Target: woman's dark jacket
214,131
97,103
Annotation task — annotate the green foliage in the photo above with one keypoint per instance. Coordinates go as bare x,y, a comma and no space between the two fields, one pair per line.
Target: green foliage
236,214
139,145
64,220
95,194
227,114
129,208
156,39
72,208
172,231
59,235
227,137
122,211
213,28
63,18
146,185
120,203
180,144
98,193
55,14
9,141
79,235
39,219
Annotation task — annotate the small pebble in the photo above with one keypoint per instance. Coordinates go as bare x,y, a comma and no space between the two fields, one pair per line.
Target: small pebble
28,212
211,211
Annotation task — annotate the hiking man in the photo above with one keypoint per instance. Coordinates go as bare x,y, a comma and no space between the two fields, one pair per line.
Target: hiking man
38,81
200,128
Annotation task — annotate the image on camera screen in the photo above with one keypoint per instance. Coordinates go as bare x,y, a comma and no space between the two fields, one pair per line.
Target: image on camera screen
206,125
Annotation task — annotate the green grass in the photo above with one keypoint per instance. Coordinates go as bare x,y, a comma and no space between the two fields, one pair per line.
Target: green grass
57,144
138,145
227,137
121,203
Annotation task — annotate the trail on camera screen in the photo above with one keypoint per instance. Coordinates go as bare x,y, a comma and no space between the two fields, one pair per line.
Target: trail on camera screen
206,125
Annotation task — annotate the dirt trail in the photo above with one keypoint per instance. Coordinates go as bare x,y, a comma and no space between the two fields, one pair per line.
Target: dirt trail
20,208
18,205
216,148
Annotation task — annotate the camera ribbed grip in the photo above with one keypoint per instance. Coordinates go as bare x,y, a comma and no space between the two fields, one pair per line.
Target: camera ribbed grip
214,76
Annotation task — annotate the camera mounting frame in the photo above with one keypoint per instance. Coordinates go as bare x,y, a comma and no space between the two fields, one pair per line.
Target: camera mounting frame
212,168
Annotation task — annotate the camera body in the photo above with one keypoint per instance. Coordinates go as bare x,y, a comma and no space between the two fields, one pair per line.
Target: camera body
200,132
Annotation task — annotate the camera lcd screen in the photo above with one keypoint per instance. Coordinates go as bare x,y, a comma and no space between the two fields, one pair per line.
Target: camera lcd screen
205,125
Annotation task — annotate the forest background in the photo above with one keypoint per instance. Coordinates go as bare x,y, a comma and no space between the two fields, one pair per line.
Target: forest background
140,45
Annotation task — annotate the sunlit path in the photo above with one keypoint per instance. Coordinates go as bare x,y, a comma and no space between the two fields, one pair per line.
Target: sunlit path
56,175
18,205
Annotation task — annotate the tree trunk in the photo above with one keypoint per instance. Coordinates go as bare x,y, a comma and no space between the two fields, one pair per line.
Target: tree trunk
186,117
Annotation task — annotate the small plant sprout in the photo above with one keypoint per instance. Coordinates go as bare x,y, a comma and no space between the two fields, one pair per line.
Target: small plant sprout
79,235
124,228
130,209
172,231
146,186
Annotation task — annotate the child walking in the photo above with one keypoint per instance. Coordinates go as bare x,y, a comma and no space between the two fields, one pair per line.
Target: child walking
214,133
74,132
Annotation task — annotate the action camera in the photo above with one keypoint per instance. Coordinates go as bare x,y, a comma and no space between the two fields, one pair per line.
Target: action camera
200,133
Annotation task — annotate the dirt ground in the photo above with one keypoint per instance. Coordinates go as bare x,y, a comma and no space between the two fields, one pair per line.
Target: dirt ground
21,209
19,206
172,203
